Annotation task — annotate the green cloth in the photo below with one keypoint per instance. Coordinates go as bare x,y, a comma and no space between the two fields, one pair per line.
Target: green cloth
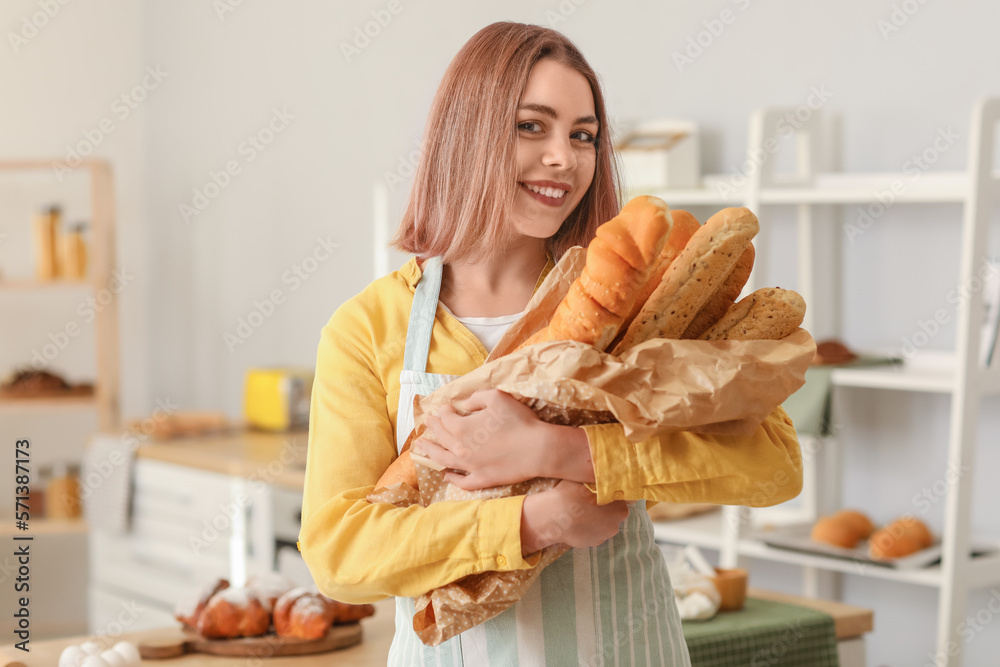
763,633
810,406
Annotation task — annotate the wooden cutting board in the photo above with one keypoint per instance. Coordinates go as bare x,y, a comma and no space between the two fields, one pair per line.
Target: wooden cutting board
340,636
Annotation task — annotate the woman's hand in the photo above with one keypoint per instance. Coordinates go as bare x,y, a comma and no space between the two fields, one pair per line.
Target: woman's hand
491,439
568,514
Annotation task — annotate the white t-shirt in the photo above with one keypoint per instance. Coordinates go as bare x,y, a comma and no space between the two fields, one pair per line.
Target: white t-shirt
489,330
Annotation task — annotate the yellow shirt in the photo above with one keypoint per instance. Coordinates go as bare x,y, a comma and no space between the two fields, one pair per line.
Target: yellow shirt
362,552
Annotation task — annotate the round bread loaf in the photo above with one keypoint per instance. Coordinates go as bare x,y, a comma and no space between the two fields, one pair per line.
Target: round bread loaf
904,536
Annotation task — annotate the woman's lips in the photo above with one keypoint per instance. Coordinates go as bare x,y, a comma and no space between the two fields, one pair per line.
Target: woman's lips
554,202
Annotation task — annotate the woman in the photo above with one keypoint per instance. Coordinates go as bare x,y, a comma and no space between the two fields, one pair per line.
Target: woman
518,168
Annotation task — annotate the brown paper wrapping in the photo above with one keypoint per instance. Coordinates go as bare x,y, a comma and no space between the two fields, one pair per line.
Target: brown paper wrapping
653,388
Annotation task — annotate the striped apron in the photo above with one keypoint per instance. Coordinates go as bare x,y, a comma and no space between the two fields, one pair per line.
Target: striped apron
607,605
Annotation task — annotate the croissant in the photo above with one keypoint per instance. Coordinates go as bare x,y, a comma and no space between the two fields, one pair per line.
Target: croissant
619,261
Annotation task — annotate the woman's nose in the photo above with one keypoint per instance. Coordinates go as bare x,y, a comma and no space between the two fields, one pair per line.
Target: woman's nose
558,152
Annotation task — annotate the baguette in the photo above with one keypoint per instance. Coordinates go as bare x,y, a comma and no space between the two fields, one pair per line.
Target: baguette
401,470
689,282
682,228
768,314
619,261
724,297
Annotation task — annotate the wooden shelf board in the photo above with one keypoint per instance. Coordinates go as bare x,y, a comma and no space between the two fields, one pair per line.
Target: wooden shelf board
48,403
706,531
26,284
43,526
930,371
829,188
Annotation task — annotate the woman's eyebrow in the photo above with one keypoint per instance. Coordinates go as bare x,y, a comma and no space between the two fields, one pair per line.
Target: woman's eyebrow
551,113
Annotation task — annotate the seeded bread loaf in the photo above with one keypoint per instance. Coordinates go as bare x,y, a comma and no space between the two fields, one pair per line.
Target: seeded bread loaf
768,314
697,272
724,297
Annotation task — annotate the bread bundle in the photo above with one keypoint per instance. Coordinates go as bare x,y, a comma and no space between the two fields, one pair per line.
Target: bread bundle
219,611
682,284
655,273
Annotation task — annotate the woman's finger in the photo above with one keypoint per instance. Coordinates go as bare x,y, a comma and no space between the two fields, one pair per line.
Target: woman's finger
479,400
435,452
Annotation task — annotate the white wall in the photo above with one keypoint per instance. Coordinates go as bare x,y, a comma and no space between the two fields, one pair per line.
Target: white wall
355,121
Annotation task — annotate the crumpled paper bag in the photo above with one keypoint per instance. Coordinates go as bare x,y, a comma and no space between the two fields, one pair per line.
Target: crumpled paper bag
656,387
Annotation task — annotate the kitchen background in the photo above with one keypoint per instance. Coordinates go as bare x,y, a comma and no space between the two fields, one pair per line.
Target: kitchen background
314,114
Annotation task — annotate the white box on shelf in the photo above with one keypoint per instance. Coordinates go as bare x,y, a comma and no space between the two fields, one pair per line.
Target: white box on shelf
660,154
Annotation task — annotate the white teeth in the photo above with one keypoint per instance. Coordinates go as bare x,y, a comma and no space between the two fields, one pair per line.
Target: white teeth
555,193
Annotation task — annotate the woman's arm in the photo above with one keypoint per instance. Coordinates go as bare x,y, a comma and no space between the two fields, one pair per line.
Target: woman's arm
359,551
760,469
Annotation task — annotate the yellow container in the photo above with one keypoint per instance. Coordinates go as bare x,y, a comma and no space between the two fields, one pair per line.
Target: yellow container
73,254
277,399
46,232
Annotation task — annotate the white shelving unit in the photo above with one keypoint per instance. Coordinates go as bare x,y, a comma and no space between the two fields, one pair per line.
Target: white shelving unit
815,194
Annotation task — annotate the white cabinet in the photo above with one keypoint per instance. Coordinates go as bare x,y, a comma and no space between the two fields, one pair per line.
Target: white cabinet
188,527
815,196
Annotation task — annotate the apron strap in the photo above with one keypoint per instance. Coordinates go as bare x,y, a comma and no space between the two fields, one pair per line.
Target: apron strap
422,313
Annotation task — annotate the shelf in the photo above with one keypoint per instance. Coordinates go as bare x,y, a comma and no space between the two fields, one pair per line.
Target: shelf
930,371
36,404
705,531
38,527
832,188
31,285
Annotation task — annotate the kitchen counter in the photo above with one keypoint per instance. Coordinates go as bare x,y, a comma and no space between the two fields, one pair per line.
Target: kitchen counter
373,649
277,457
850,622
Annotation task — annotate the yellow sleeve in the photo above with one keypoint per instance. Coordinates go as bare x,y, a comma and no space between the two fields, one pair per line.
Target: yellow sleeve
358,551
758,470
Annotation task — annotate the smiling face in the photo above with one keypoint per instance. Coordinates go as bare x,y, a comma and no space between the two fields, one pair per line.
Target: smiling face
556,148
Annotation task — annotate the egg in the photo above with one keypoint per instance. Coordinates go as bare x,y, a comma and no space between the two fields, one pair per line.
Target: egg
128,651
90,648
71,656
95,661
115,659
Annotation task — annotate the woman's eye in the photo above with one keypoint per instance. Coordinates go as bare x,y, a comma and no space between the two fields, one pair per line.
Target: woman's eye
583,135
529,126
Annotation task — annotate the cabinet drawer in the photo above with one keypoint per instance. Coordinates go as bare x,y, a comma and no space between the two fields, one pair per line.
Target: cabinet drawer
152,570
168,490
